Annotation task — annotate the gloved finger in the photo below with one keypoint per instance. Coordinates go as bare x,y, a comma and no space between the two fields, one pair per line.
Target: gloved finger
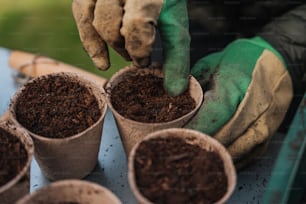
139,28
107,22
253,143
173,26
83,12
204,69
256,153
256,131
252,138
220,100
220,103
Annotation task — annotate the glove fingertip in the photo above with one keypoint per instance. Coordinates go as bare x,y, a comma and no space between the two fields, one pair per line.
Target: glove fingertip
101,63
175,87
142,62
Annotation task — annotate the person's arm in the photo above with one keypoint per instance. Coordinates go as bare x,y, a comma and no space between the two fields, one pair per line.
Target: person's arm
287,34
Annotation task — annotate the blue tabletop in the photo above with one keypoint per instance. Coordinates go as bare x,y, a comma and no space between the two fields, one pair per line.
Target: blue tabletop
111,170
8,85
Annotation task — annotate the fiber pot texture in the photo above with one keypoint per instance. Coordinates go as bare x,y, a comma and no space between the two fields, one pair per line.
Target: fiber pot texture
185,175
19,185
74,156
71,191
132,131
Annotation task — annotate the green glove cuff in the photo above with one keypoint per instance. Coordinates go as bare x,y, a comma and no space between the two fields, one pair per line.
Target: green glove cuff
174,30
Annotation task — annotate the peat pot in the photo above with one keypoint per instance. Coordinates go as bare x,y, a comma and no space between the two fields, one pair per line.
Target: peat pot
132,130
71,191
64,114
180,165
16,152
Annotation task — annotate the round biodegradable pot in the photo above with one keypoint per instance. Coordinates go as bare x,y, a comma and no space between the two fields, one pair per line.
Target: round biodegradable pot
179,165
73,156
132,131
19,185
71,191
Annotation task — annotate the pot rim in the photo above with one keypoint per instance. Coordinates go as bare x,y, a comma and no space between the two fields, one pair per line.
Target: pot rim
91,86
69,183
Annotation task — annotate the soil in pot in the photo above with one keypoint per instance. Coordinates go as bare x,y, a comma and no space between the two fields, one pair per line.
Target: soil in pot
143,98
56,107
169,170
13,156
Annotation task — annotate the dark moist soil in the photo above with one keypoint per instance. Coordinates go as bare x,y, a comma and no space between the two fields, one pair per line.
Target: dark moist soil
13,156
173,171
143,98
56,107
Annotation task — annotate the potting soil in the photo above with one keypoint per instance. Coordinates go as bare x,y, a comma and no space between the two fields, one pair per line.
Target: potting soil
13,156
56,107
143,98
169,170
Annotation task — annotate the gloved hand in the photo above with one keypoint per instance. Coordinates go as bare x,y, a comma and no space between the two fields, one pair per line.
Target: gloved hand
247,93
129,27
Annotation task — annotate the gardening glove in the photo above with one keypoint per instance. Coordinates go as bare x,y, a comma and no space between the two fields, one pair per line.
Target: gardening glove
247,91
129,27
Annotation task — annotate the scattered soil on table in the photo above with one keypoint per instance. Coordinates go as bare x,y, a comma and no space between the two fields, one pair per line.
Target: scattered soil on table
173,171
13,156
143,98
56,107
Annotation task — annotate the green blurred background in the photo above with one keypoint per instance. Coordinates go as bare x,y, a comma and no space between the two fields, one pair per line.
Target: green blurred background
47,28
